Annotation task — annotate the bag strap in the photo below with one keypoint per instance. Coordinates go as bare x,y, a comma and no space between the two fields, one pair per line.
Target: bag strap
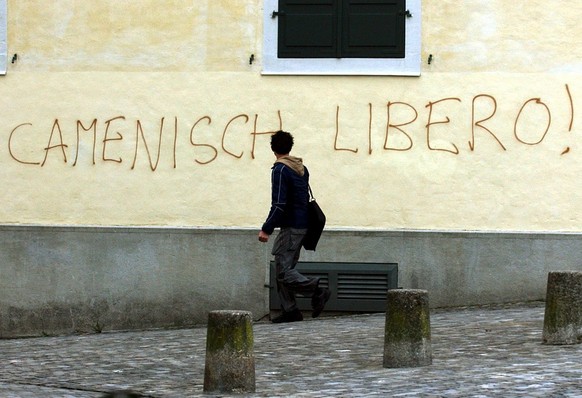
311,198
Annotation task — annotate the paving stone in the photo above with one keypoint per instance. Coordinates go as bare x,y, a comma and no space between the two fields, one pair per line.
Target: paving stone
477,352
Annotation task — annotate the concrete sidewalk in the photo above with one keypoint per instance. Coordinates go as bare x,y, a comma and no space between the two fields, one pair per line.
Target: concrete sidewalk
477,352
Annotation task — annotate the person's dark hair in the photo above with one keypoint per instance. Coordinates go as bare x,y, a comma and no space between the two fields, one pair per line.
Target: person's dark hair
281,142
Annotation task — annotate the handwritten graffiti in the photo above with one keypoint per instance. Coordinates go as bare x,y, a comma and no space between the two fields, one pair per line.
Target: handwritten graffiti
531,124
106,140
121,140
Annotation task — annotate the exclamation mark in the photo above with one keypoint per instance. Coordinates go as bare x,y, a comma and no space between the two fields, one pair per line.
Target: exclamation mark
571,116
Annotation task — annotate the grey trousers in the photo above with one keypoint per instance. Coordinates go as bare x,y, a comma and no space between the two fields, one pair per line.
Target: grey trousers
286,250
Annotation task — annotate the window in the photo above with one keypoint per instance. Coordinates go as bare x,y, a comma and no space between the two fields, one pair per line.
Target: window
342,37
341,28
3,28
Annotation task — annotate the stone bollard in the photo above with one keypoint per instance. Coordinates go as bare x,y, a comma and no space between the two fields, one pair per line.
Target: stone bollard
563,315
407,332
230,360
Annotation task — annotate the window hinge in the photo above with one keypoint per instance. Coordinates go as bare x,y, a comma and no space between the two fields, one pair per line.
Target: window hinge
406,13
275,14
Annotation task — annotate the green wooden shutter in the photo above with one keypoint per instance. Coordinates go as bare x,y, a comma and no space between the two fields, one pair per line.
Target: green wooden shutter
308,29
341,28
373,28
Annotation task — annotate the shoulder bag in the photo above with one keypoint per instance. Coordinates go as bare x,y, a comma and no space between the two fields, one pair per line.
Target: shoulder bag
315,223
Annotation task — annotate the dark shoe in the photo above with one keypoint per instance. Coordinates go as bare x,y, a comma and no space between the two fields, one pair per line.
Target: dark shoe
318,301
292,316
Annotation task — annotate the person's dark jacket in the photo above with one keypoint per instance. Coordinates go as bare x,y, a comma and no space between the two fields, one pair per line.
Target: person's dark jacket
289,195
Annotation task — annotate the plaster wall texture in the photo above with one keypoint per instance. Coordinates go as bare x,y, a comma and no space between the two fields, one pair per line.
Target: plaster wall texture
123,113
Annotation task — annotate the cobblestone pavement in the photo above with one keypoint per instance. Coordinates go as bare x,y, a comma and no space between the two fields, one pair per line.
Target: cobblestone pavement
477,352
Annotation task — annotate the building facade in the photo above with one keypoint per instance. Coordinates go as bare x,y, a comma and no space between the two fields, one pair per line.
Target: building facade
135,159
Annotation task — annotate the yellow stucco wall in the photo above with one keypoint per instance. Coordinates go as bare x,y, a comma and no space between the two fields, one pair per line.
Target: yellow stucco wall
488,138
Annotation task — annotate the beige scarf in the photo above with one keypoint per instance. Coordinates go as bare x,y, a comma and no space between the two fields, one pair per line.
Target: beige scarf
296,164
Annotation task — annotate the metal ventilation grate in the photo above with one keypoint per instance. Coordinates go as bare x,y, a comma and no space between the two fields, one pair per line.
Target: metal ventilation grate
357,287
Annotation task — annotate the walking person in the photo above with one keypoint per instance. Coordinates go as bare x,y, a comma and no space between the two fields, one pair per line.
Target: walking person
289,198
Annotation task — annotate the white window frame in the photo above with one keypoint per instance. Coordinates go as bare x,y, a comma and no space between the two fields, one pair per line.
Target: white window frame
407,66
3,37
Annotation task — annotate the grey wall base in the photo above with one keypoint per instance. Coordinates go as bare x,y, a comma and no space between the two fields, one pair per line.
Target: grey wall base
60,280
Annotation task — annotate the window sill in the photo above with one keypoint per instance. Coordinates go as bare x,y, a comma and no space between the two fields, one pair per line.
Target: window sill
409,66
